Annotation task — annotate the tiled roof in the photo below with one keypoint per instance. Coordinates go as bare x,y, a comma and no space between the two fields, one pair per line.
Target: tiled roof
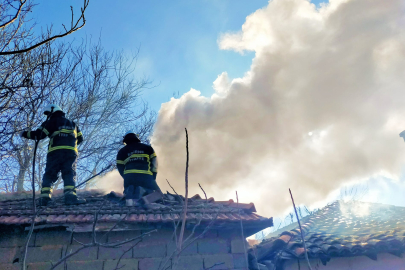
225,213
338,230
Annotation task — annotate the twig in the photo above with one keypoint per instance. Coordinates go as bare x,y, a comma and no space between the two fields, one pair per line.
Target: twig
72,254
34,207
191,241
122,255
115,225
126,241
187,241
302,234
186,197
72,30
93,244
241,228
175,191
172,187
205,194
202,216
216,264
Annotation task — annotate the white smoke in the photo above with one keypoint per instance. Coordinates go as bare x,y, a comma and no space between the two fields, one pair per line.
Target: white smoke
111,181
322,105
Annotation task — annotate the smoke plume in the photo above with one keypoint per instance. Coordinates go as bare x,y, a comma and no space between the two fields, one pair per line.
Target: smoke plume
321,106
112,181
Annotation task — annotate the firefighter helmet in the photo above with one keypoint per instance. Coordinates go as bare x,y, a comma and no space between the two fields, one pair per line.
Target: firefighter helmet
131,135
52,108
129,132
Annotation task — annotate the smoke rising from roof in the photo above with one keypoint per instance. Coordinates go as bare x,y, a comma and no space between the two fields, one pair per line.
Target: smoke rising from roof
111,181
322,105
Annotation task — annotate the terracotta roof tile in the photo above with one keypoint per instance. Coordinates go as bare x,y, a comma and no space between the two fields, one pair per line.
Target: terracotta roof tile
19,212
338,230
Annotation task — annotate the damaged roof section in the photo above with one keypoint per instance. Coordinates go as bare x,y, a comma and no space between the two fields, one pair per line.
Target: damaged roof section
156,210
341,229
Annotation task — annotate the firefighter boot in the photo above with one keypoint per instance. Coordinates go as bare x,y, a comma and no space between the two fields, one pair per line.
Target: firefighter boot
43,201
129,196
72,199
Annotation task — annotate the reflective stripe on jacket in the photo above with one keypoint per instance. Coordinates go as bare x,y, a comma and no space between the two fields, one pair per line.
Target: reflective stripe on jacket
62,133
136,158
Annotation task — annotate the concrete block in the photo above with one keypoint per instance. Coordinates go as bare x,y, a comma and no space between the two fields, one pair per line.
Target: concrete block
84,237
211,233
152,263
153,197
7,255
189,250
15,239
149,249
190,263
125,264
115,253
118,236
230,234
84,265
9,266
213,246
86,254
161,235
43,266
237,246
52,237
44,254
239,260
221,261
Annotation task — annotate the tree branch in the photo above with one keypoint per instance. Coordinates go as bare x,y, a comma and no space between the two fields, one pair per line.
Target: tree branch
73,29
22,3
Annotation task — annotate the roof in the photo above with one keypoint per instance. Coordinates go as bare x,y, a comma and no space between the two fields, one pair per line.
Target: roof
18,211
340,229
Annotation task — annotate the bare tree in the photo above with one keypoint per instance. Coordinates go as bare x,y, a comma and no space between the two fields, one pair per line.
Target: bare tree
16,37
28,63
104,99
96,89
39,72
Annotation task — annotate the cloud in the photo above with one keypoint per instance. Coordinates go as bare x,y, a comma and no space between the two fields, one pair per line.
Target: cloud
321,106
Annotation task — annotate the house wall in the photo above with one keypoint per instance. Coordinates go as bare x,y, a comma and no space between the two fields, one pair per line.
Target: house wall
384,261
47,246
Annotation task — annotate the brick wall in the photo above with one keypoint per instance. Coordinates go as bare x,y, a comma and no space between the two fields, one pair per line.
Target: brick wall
47,246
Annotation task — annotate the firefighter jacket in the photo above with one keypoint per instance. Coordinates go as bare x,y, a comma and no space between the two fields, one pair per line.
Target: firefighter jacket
137,159
62,133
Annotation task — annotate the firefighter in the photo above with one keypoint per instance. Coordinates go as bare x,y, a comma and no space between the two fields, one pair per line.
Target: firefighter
137,164
64,136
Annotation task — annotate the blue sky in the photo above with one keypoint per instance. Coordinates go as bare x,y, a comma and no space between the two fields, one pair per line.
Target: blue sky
177,39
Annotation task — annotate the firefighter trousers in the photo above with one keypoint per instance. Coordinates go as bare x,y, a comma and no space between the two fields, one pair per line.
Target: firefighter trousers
142,180
60,161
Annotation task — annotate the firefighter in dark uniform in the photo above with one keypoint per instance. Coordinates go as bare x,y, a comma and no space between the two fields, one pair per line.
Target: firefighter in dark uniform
64,136
137,164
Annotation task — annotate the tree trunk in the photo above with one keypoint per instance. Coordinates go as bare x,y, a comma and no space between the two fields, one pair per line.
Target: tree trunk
21,177
24,166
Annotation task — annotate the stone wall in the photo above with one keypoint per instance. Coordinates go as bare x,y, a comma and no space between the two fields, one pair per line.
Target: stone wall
47,246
